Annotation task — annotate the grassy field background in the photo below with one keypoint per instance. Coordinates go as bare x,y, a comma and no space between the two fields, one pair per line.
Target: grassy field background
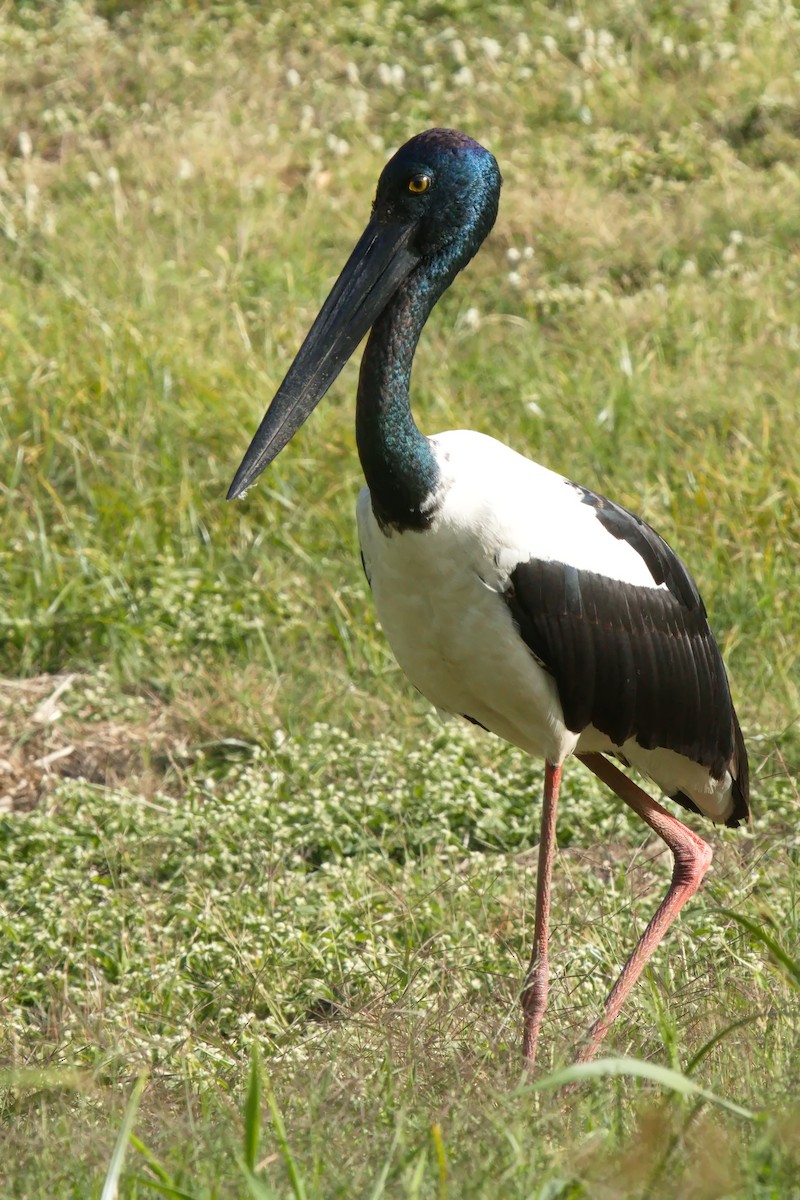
225,818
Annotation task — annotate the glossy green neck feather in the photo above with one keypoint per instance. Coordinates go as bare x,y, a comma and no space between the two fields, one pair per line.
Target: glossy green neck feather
398,462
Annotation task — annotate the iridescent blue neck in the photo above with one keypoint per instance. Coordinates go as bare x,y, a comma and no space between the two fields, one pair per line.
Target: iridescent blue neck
398,462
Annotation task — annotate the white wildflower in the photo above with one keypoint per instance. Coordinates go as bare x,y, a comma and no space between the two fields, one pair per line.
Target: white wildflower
338,145
391,74
458,51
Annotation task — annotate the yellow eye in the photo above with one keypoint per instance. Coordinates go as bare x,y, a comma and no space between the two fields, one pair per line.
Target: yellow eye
419,183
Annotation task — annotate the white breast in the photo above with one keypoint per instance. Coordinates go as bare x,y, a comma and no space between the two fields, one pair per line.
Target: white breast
439,591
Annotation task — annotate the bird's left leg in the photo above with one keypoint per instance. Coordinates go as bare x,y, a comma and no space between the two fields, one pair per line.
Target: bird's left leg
534,992
692,859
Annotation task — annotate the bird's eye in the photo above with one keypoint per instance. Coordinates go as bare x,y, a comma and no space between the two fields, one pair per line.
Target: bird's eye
419,183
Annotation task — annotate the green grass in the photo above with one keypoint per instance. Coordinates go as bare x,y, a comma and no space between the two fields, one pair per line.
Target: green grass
255,833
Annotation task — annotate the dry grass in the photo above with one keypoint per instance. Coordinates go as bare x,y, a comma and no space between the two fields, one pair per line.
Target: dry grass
57,727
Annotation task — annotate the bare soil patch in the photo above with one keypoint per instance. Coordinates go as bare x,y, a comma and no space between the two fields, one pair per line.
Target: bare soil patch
54,727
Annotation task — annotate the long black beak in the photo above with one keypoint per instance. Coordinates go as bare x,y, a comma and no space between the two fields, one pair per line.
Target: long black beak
375,269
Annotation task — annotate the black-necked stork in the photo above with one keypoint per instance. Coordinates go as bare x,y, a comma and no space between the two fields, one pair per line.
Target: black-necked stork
510,595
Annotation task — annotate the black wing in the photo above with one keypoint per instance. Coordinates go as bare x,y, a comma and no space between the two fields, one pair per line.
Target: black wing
632,661
660,559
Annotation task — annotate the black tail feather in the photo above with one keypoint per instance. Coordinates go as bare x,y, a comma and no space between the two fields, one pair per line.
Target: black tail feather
740,774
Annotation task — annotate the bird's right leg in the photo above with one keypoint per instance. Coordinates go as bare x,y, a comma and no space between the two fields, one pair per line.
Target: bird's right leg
534,992
692,858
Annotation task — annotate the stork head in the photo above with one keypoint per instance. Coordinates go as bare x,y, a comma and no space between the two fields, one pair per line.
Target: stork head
446,187
435,203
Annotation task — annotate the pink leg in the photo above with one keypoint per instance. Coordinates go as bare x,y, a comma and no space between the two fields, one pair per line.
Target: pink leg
692,859
534,992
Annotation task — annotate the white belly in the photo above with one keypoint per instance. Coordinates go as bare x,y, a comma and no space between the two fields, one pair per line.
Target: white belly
453,635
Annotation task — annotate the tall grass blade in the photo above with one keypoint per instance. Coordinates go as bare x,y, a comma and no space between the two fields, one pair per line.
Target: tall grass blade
252,1112
441,1158
111,1184
418,1176
298,1188
786,965
258,1189
380,1183
635,1068
165,1189
151,1160
166,1185
718,1037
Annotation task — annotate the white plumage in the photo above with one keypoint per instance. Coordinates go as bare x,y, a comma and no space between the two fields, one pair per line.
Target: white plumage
439,595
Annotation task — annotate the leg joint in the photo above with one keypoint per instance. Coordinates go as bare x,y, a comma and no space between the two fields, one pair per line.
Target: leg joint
692,860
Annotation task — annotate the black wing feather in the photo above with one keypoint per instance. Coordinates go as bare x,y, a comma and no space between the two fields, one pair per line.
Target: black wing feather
660,559
633,661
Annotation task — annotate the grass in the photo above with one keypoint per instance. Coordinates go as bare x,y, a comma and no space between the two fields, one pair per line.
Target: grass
226,820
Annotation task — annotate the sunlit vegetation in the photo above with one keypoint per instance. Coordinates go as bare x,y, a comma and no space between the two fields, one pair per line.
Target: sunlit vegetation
226,821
